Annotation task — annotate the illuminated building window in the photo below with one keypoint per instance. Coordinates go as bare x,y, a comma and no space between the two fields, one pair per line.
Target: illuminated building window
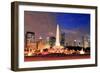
30,37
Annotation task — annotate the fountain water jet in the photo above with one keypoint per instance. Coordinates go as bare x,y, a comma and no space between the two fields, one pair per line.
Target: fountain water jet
57,43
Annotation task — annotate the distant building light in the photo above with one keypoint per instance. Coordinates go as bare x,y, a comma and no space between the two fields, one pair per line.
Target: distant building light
40,37
75,40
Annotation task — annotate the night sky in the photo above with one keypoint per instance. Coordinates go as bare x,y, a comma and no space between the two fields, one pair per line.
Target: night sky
74,21
74,25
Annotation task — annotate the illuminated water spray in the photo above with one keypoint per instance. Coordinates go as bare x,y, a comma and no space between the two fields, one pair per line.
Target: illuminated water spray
57,43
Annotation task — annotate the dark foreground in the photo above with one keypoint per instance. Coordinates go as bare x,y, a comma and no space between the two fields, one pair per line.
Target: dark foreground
56,57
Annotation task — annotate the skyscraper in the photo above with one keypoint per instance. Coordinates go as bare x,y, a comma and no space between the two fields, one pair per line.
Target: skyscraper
85,41
52,41
62,39
30,37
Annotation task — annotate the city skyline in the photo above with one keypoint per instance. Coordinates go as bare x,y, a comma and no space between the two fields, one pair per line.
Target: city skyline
74,25
52,34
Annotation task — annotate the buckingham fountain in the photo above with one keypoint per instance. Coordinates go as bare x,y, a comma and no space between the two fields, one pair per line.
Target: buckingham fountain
57,48
57,43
